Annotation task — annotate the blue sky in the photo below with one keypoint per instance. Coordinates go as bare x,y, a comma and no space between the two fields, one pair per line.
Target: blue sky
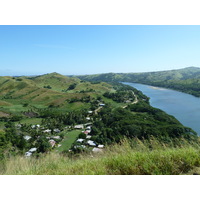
33,50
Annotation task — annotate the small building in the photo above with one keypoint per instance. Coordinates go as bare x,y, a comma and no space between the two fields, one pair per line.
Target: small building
56,130
101,146
33,126
19,125
88,128
56,137
80,140
52,142
47,131
101,104
91,143
32,150
88,136
90,112
27,137
28,154
86,132
79,126
88,118
96,150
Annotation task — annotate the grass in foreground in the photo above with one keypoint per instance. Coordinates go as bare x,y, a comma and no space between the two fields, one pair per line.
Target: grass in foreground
124,159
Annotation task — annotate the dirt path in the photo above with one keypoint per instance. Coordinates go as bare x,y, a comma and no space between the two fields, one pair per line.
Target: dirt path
97,110
134,102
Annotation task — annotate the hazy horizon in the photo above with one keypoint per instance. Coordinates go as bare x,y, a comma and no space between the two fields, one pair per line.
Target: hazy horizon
79,50
90,74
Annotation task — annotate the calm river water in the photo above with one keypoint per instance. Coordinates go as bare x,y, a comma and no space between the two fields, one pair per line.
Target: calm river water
185,107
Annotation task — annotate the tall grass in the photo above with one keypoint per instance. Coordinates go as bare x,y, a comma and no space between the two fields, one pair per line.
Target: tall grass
135,157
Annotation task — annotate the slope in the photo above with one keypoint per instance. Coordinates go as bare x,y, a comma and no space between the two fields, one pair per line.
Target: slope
185,80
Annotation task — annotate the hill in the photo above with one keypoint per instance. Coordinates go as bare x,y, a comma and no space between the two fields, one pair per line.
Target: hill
45,90
186,80
58,115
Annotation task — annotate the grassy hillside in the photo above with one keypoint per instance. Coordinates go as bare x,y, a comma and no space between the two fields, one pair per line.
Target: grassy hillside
52,113
45,90
185,80
136,158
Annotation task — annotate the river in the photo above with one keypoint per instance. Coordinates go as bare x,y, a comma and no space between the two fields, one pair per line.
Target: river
185,107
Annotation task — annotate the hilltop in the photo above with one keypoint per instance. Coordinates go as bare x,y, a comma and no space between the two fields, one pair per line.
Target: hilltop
42,91
185,80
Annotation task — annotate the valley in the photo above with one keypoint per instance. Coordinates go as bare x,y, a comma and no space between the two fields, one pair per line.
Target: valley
55,114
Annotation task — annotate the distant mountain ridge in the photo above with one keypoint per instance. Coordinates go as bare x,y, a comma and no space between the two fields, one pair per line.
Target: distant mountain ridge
186,80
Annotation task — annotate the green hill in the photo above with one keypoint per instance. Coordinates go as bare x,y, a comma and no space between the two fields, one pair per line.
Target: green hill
42,91
36,111
185,80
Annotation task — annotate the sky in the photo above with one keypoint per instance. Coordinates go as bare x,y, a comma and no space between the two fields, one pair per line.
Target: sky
77,50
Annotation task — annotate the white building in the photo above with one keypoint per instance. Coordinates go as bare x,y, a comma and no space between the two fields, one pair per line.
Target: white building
47,131
96,150
28,154
32,150
80,140
27,137
91,143
79,126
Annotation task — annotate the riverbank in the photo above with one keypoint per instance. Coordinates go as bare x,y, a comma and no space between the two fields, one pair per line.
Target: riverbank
185,107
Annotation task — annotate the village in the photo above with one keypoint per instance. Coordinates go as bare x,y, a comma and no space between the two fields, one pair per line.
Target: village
54,138
83,141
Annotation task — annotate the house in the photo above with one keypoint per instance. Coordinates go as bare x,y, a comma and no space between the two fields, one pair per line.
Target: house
88,136
86,132
56,130
87,124
32,150
80,126
88,118
19,125
56,137
52,142
101,146
47,131
96,150
101,104
91,143
90,112
88,128
80,140
33,126
28,154
27,137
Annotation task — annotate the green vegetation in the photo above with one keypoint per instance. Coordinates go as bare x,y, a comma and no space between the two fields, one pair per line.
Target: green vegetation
185,80
69,138
147,157
59,121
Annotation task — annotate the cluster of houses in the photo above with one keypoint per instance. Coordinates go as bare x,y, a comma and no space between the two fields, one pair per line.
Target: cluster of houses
83,143
51,140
